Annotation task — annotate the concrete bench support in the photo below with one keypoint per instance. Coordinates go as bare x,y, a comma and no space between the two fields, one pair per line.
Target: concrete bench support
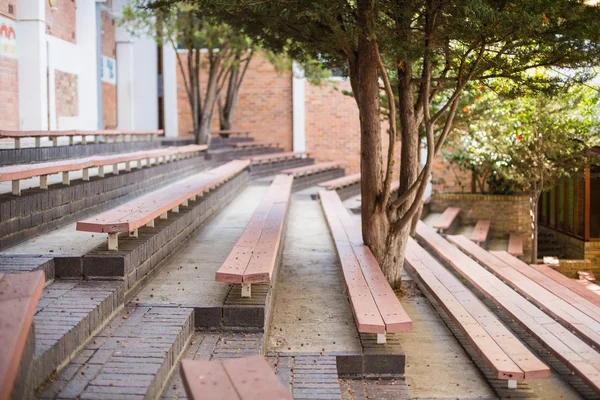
246,290
113,241
65,178
16,187
44,182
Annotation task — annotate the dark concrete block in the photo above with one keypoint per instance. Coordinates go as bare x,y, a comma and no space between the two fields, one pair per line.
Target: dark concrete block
350,366
208,317
244,316
68,266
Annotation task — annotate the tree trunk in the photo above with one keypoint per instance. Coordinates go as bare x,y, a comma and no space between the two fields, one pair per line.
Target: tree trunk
231,99
533,206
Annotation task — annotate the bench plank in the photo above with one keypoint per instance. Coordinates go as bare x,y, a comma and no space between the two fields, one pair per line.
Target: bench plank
552,304
481,231
270,157
447,218
253,379
24,134
339,183
515,244
564,292
583,360
19,295
501,351
311,169
207,380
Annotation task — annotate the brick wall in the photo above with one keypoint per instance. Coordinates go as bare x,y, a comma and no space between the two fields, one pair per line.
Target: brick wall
449,178
65,85
60,22
576,249
109,91
509,214
9,77
265,103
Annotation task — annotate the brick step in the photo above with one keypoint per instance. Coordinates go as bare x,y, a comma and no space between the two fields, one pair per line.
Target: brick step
43,154
272,168
39,211
67,315
220,142
306,181
132,357
228,153
22,263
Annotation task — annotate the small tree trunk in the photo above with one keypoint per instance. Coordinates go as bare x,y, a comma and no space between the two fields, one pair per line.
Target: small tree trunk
533,206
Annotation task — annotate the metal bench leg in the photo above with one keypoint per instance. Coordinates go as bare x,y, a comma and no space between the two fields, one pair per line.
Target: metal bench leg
246,290
16,187
150,224
65,180
44,182
133,233
113,241
116,169
175,209
86,174
163,216
512,384
101,171
381,338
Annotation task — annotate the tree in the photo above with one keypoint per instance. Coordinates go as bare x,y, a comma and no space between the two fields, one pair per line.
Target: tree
533,141
425,52
223,51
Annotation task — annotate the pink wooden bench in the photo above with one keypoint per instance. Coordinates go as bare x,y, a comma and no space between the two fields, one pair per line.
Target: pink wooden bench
515,244
19,295
586,275
481,232
448,221
499,349
274,157
145,209
16,173
54,135
252,145
253,258
312,169
339,183
573,311
374,304
582,359
249,378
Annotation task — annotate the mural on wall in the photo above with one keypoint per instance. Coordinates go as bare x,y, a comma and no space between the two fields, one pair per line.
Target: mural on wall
8,38
108,70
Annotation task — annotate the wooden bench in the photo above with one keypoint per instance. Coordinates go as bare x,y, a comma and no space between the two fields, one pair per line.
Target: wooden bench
448,222
249,378
19,295
586,275
339,183
16,173
577,355
374,304
572,310
515,244
481,232
253,258
145,209
498,348
18,136
274,157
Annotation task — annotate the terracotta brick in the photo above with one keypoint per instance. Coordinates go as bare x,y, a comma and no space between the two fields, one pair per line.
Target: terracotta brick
61,21
65,85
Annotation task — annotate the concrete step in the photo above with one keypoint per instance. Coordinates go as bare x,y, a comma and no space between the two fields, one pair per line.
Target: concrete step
68,314
22,263
132,357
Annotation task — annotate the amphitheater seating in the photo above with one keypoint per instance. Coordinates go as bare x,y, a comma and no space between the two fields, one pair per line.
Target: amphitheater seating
54,135
229,132
143,210
375,305
448,222
249,378
310,175
498,348
515,244
251,145
16,173
339,183
578,356
572,310
481,232
254,256
273,157
19,295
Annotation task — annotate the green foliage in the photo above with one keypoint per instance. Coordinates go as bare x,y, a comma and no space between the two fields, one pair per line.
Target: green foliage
529,142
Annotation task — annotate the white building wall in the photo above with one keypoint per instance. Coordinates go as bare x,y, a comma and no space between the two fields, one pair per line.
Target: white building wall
145,87
170,91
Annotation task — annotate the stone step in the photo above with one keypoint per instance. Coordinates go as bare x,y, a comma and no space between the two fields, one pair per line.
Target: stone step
22,263
67,315
273,167
132,357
